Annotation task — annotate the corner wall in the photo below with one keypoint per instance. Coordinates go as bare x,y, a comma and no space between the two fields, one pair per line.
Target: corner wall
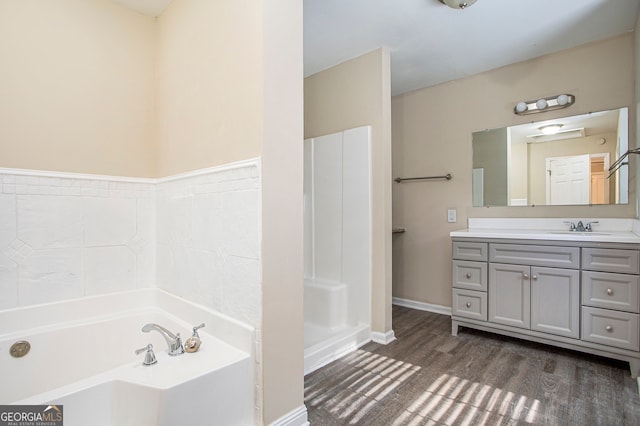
432,130
353,94
76,87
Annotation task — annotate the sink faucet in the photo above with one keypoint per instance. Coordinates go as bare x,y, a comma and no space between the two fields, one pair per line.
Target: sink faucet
174,342
580,226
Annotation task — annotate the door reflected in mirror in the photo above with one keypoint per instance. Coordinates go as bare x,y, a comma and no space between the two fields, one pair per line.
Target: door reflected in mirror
564,161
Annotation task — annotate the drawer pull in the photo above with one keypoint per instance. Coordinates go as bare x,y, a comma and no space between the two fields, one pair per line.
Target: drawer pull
610,292
609,328
525,276
468,304
468,275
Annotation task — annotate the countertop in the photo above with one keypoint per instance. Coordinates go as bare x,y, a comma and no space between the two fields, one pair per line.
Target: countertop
606,230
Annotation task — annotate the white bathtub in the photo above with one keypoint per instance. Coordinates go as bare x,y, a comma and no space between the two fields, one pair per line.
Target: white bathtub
82,356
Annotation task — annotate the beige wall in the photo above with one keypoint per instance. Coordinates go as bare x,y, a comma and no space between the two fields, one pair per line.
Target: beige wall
353,94
518,180
209,73
432,135
76,87
282,177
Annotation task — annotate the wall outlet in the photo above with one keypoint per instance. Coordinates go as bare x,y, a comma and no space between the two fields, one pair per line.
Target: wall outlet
451,216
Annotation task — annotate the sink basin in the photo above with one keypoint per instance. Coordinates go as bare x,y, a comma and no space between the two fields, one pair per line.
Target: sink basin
579,232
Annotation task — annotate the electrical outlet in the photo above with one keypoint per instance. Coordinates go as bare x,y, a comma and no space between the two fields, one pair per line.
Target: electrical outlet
451,216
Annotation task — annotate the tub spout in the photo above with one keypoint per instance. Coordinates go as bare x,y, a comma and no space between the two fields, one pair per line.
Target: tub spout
174,342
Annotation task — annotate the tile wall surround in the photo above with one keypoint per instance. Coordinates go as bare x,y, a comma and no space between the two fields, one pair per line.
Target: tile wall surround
196,235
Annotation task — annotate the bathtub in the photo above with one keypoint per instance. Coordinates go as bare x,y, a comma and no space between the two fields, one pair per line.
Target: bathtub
82,357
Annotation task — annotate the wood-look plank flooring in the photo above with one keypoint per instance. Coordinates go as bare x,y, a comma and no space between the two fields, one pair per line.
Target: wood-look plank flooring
428,377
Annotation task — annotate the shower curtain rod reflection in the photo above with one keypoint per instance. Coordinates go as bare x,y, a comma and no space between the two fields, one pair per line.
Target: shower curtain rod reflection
444,177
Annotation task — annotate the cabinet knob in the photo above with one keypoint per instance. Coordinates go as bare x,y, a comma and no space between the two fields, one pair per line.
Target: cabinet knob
525,276
609,292
609,328
468,275
468,304
534,277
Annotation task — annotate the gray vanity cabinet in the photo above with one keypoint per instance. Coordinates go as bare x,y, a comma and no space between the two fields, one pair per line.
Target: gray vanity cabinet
578,295
509,295
536,298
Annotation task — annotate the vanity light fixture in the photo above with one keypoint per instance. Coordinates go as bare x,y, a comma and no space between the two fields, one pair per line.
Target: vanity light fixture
550,129
458,4
544,104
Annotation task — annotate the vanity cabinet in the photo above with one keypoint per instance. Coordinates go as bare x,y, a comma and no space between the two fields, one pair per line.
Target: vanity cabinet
577,295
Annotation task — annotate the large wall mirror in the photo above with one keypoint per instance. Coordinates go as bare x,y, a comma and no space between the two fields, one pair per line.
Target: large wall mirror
564,161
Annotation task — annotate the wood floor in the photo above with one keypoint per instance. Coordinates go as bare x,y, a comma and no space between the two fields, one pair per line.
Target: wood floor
428,377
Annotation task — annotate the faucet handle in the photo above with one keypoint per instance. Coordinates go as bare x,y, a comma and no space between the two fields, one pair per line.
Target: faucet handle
572,226
196,328
149,357
588,226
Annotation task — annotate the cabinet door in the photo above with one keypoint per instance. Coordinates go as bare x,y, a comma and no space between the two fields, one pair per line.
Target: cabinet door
509,295
555,301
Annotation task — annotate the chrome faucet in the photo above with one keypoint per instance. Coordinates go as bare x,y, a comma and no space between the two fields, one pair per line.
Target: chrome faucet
580,226
174,342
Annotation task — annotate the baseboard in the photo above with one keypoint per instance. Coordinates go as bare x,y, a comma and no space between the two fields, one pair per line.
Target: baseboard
297,417
383,338
325,352
436,309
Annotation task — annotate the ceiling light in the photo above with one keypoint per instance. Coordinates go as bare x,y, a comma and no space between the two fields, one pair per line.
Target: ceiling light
458,4
551,129
544,104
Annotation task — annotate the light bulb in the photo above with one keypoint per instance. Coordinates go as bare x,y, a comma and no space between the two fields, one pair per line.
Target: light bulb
563,100
551,129
521,107
541,104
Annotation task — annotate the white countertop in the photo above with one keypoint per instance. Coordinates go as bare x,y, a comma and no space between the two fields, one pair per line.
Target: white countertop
607,230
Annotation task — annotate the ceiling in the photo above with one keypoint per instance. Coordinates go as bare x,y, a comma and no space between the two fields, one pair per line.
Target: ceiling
431,43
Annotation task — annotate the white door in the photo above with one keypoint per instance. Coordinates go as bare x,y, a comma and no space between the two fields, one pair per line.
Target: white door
568,180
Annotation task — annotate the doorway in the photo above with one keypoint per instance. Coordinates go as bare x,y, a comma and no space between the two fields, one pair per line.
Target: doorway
578,179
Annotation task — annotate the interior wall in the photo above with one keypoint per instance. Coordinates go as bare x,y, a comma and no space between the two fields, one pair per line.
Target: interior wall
209,92
353,94
634,165
432,130
76,87
490,153
282,222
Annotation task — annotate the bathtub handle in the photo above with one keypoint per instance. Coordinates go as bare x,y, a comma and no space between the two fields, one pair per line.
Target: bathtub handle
149,357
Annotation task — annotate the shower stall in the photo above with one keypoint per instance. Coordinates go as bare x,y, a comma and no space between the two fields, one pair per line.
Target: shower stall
337,245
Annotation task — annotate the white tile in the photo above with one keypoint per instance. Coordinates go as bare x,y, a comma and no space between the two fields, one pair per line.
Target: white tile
8,223
174,221
109,269
109,221
240,222
50,275
50,221
208,225
241,289
8,283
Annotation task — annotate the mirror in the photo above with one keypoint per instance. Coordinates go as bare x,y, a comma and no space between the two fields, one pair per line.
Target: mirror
564,161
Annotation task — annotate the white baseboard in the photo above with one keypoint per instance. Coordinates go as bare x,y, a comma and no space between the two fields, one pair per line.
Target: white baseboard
383,338
297,417
436,309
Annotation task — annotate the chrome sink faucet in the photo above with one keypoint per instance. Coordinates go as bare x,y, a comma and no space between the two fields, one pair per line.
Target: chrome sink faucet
174,342
581,227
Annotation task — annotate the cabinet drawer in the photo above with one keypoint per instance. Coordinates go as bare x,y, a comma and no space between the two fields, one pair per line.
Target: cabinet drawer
611,291
612,328
464,250
470,275
522,254
610,260
469,304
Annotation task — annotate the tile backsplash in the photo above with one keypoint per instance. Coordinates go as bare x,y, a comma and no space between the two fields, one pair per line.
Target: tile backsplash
197,235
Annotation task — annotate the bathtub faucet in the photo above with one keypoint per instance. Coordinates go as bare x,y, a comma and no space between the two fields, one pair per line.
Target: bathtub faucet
173,340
